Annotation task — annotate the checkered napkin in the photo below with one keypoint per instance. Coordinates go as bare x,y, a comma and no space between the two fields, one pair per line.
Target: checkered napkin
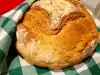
18,66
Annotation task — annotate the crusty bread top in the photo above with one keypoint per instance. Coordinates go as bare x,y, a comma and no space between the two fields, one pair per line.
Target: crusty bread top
57,10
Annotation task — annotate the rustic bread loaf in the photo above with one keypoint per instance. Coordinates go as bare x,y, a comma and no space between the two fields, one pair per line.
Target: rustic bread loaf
56,34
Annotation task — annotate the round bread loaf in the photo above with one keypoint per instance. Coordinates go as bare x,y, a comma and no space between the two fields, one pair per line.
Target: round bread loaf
56,34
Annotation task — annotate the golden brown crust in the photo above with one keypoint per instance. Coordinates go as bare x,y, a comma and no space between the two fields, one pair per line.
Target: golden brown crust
33,16
59,48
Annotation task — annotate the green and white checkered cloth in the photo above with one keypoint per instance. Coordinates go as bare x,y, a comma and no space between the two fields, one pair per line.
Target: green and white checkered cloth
18,66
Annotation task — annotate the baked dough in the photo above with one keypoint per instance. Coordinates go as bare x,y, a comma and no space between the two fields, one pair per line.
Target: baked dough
59,44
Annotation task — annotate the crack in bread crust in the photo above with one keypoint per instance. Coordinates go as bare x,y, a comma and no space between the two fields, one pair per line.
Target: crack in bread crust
57,9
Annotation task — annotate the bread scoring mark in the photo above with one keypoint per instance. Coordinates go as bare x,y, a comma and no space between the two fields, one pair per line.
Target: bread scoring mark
57,10
73,16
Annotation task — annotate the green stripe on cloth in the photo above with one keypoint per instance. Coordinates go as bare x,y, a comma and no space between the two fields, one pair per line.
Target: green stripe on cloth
29,70
99,65
98,29
2,19
81,67
2,56
9,60
5,44
70,71
9,26
30,1
16,71
42,71
98,48
15,67
23,7
92,66
3,67
85,72
5,22
0,29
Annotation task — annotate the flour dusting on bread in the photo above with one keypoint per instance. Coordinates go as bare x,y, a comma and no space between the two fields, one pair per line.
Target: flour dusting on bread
57,9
